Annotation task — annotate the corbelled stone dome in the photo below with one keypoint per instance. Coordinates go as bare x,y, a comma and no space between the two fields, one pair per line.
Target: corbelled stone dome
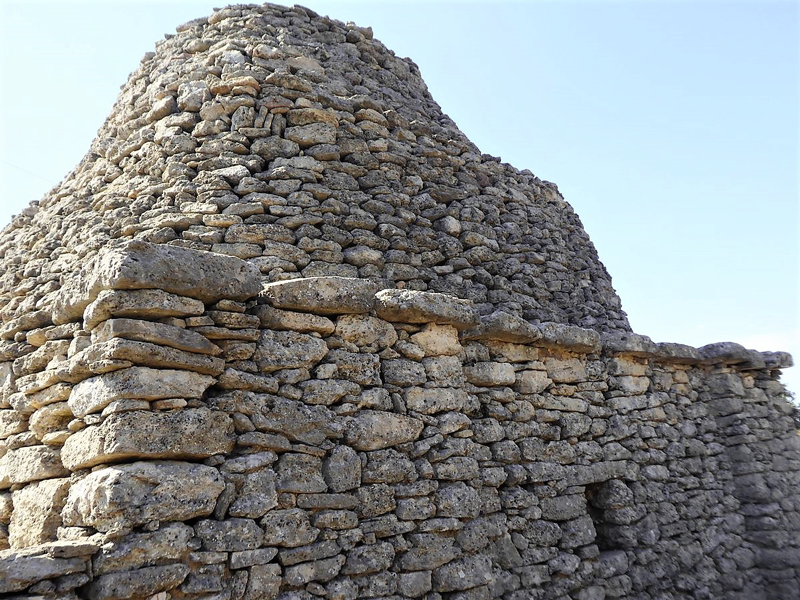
308,148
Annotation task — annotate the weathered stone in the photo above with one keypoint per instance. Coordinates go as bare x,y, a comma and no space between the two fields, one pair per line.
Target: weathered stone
373,430
263,583
189,434
363,369
298,422
364,330
342,469
288,528
30,463
140,583
300,473
155,333
369,559
257,496
50,418
323,295
438,340
141,265
278,350
169,543
12,422
128,495
410,306
231,535
150,355
433,400
314,133
532,382
463,574
142,383
139,304
490,374
504,327
37,512
565,370
18,571
274,318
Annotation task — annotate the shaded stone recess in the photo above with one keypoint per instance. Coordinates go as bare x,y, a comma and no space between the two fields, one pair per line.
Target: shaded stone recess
231,368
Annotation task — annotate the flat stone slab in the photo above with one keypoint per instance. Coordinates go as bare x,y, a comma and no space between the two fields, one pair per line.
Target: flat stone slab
323,295
374,430
129,495
137,264
187,434
18,571
142,304
30,463
412,306
140,383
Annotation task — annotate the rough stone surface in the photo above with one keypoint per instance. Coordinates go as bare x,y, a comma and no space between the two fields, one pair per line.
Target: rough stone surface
381,363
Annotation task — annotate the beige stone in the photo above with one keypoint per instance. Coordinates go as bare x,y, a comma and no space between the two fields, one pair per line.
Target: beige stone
125,496
185,434
490,374
140,583
278,350
438,340
374,430
18,570
433,400
364,330
532,382
37,512
142,304
274,318
150,355
142,383
565,370
30,463
11,422
323,295
412,306
502,326
170,542
155,333
141,265
50,418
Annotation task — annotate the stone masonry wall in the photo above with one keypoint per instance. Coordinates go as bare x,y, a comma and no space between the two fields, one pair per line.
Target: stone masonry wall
337,437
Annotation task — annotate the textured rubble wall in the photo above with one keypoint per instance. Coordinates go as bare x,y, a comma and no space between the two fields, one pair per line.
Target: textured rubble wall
227,369
327,437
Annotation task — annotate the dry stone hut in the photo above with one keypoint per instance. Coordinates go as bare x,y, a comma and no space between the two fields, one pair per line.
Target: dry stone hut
286,333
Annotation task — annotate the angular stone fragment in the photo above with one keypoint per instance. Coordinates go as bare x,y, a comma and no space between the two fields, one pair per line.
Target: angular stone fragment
30,463
278,350
142,383
565,370
433,400
140,583
364,330
231,535
569,337
323,295
374,430
438,340
150,355
490,374
274,318
411,306
155,333
50,418
288,528
463,574
129,495
298,422
532,382
37,512
257,496
170,542
300,474
141,265
190,434
342,469
11,422
139,304
311,134
505,327
18,571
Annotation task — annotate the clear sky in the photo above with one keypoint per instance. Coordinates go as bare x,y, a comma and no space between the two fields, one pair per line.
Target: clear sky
671,128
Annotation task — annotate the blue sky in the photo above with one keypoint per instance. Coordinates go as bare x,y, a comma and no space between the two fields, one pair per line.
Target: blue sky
670,127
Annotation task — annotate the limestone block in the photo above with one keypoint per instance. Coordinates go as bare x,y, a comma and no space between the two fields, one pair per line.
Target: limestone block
300,474
139,304
231,535
369,559
565,370
327,391
374,430
26,322
438,340
463,574
282,320
264,582
429,551
311,134
140,583
11,422
141,434
444,371
490,374
141,383
364,330
257,496
412,306
323,295
432,400
141,265
18,571
50,418
532,382
155,333
561,403
278,350
502,326
30,463
288,528
135,550
129,495
341,469
360,368
150,355
37,512
403,372
569,337
299,422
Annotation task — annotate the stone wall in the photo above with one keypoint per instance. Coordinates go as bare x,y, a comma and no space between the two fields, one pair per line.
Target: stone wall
339,437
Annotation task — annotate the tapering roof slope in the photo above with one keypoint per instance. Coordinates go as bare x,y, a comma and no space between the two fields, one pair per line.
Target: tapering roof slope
305,146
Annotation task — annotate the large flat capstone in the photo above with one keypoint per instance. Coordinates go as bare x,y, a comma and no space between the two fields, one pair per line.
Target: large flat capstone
323,295
137,264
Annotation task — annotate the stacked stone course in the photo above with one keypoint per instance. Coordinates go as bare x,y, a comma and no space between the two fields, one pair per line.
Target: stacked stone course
285,333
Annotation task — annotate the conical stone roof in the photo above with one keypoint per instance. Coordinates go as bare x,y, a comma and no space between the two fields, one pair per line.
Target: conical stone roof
307,148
